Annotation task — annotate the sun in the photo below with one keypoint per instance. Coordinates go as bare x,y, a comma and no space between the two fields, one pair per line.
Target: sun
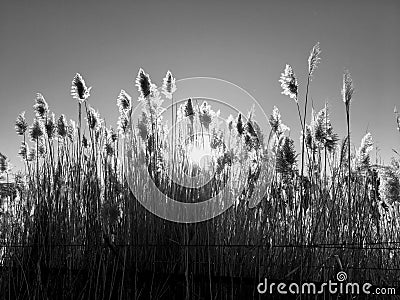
200,154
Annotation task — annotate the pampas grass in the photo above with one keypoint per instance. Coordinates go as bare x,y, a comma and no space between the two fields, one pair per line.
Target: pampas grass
76,194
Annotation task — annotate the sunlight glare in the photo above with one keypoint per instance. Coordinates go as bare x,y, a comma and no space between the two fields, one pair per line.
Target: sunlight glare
200,154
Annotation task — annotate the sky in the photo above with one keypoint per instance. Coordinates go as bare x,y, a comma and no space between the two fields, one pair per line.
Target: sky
44,43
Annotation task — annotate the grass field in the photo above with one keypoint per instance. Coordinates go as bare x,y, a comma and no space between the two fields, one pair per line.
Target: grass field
75,230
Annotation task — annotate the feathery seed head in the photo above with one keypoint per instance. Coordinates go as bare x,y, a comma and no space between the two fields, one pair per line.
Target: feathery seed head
79,90
50,126
152,102
239,124
205,115
259,134
169,85
20,124
251,138
289,83
143,83
41,107
4,164
155,97
309,138
313,59
286,157
367,143
112,135
124,101
276,123
364,150
322,131
93,119
250,128
318,127
275,119
189,111
251,113
389,188
62,126
36,130
205,108
348,88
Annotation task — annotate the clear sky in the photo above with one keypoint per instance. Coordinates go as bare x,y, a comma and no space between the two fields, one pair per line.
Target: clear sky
44,43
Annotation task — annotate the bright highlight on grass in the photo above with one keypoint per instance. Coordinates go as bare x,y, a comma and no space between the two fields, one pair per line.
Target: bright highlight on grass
201,154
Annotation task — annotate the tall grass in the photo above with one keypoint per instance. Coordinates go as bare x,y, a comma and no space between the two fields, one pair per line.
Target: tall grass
78,219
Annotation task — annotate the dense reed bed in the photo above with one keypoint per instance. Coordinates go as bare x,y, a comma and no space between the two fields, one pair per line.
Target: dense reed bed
75,230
